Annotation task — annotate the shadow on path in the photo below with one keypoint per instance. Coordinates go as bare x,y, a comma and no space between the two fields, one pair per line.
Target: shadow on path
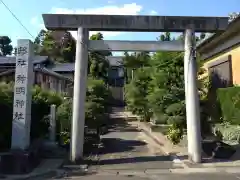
134,160
117,145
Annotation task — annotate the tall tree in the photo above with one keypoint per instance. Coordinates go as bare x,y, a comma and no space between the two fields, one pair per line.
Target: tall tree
5,46
98,65
59,45
38,42
68,47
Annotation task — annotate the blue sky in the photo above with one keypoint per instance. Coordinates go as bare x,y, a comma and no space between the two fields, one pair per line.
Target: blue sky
29,12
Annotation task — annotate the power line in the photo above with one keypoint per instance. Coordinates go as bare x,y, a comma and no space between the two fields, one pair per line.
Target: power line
17,19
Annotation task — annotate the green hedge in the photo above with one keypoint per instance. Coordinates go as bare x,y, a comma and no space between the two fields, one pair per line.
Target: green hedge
229,100
41,101
96,108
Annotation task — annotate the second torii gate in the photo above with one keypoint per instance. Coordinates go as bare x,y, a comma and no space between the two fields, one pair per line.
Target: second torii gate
85,23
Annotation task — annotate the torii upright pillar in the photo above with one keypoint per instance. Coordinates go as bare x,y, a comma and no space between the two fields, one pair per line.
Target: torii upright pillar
79,94
192,98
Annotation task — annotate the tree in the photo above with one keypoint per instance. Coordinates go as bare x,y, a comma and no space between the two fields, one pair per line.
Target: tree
157,88
5,46
98,65
134,61
164,80
59,45
68,47
38,42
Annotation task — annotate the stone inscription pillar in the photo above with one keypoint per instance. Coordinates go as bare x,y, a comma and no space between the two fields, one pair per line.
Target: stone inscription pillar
22,95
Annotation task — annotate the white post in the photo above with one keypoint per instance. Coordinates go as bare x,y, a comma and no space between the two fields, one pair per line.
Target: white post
79,94
187,56
22,95
52,132
192,98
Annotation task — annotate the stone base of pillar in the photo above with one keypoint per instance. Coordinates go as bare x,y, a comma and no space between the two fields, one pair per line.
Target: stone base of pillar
19,162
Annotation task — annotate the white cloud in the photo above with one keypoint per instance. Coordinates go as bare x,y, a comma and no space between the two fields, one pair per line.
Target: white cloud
126,9
152,12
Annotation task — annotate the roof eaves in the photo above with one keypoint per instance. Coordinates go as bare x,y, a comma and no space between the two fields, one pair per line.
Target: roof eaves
44,70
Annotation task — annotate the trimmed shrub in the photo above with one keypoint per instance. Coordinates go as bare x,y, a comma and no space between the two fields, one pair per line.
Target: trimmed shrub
176,120
229,132
96,108
229,99
176,109
161,119
41,101
175,134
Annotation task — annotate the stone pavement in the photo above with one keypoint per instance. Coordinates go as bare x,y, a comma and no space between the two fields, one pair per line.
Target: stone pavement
179,153
128,148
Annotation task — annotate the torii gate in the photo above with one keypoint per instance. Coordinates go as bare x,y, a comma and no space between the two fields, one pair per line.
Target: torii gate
85,23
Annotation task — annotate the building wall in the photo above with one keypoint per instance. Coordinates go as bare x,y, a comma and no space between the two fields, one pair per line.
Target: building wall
43,80
50,82
68,75
235,56
118,95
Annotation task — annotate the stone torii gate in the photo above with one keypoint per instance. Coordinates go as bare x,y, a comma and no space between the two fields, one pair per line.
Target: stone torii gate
85,23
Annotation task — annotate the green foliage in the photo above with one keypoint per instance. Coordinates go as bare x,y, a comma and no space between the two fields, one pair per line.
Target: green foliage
161,118
155,86
63,116
175,134
58,45
41,101
229,132
97,97
176,109
137,91
5,46
229,99
98,65
65,137
177,119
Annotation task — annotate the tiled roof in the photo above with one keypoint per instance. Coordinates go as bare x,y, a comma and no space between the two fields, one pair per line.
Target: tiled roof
12,59
64,67
50,72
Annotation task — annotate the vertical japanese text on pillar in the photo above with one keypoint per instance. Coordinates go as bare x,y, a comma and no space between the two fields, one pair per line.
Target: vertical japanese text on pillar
20,84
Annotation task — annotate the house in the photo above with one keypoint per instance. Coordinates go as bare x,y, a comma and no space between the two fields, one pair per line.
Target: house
60,76
66,69
221,54
43,76
8,62
116,71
